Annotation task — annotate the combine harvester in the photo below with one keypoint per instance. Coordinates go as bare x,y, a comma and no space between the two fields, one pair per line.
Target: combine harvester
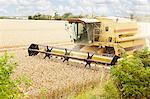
100,40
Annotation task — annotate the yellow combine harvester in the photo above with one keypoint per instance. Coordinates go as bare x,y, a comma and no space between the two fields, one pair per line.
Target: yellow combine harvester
100,40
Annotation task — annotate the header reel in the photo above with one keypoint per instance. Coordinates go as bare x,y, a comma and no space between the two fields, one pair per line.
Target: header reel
67,54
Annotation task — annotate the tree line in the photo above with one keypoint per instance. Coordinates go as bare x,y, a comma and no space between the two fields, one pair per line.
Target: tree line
55,17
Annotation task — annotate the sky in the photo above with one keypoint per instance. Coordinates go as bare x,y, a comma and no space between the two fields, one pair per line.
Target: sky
97,7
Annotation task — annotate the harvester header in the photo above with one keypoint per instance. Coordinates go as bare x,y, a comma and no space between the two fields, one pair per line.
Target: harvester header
67,54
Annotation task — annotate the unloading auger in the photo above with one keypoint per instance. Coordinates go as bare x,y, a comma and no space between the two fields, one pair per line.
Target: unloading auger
67,54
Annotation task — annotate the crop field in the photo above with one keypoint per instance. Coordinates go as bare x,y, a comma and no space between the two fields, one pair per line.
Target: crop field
58,79
25,32
55,78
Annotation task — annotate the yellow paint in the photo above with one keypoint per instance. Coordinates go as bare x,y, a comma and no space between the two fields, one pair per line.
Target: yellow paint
122,31
81,55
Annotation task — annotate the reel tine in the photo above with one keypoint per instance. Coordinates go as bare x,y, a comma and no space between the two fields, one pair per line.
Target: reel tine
92,55
70,51
66,51
65,57
89,62
48,50
64,60
86,65
88,54
51,49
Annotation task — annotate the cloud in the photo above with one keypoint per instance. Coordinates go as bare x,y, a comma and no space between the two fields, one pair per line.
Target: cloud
141,2
8,2
100,7
29,7
72,3
3,11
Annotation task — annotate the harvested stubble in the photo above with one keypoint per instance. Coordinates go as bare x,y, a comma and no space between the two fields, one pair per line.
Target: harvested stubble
58,78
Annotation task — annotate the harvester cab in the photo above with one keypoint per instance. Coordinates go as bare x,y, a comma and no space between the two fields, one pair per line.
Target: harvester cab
85,31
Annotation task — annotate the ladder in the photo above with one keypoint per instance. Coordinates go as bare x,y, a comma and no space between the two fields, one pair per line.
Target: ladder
96,32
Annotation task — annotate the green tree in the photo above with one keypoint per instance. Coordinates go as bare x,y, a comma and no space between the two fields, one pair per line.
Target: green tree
144,56
67,15
57,16
131,77
37,16
29,17
80,16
